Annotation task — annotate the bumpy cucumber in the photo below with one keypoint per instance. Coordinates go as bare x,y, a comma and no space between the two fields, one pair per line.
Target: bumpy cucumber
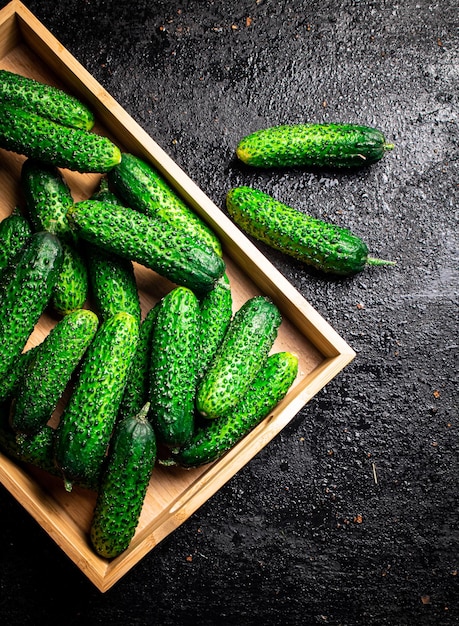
143,188
244,349
25,290
46,100
37,449
313,145
14,234
136,391
323,245
111,277
51,368
48,198
216,313
72,285
173,367
37,137
123,485
87,422
112,282
135,236
216,437
11,382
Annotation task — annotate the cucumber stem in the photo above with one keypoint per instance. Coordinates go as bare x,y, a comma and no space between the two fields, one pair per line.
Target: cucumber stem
389,146
374,261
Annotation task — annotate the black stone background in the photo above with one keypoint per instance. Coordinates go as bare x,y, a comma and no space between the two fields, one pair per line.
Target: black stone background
283,541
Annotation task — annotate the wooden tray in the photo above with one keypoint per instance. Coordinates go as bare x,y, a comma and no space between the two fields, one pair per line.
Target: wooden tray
174,494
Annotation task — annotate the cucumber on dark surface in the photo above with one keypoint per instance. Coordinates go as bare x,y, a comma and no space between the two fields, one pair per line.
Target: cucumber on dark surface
323,245
313,145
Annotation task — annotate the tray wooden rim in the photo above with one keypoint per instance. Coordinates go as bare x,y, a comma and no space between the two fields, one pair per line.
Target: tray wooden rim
18,24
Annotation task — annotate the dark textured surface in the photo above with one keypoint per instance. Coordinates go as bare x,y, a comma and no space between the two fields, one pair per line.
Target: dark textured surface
303,535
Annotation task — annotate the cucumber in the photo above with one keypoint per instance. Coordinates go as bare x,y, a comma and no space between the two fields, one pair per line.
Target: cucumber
86,424
12,380
173,367
112,283
216,313
323,245
244,349
50,370
37,137
46,100
137,387
313,145
123,485
36,449
15,231
142,188
135,236
25,290
48,198
111,277
72,286
216,437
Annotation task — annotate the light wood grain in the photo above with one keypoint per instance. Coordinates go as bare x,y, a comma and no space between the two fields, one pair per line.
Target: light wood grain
174,494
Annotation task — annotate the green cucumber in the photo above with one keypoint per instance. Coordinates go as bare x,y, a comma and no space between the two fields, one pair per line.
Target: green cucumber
112,283
11,382
72,286
111,277
216,437
37,137
36,449
15,232
216,313
173,367
138,383
104,193
323,245
48,198
25,290
313,145
46,100
123,485
244,349
50,370
137,237
86,424
142,188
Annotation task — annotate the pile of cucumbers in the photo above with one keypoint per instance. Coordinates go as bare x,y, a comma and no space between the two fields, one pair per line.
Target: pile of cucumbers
187,382
180,386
